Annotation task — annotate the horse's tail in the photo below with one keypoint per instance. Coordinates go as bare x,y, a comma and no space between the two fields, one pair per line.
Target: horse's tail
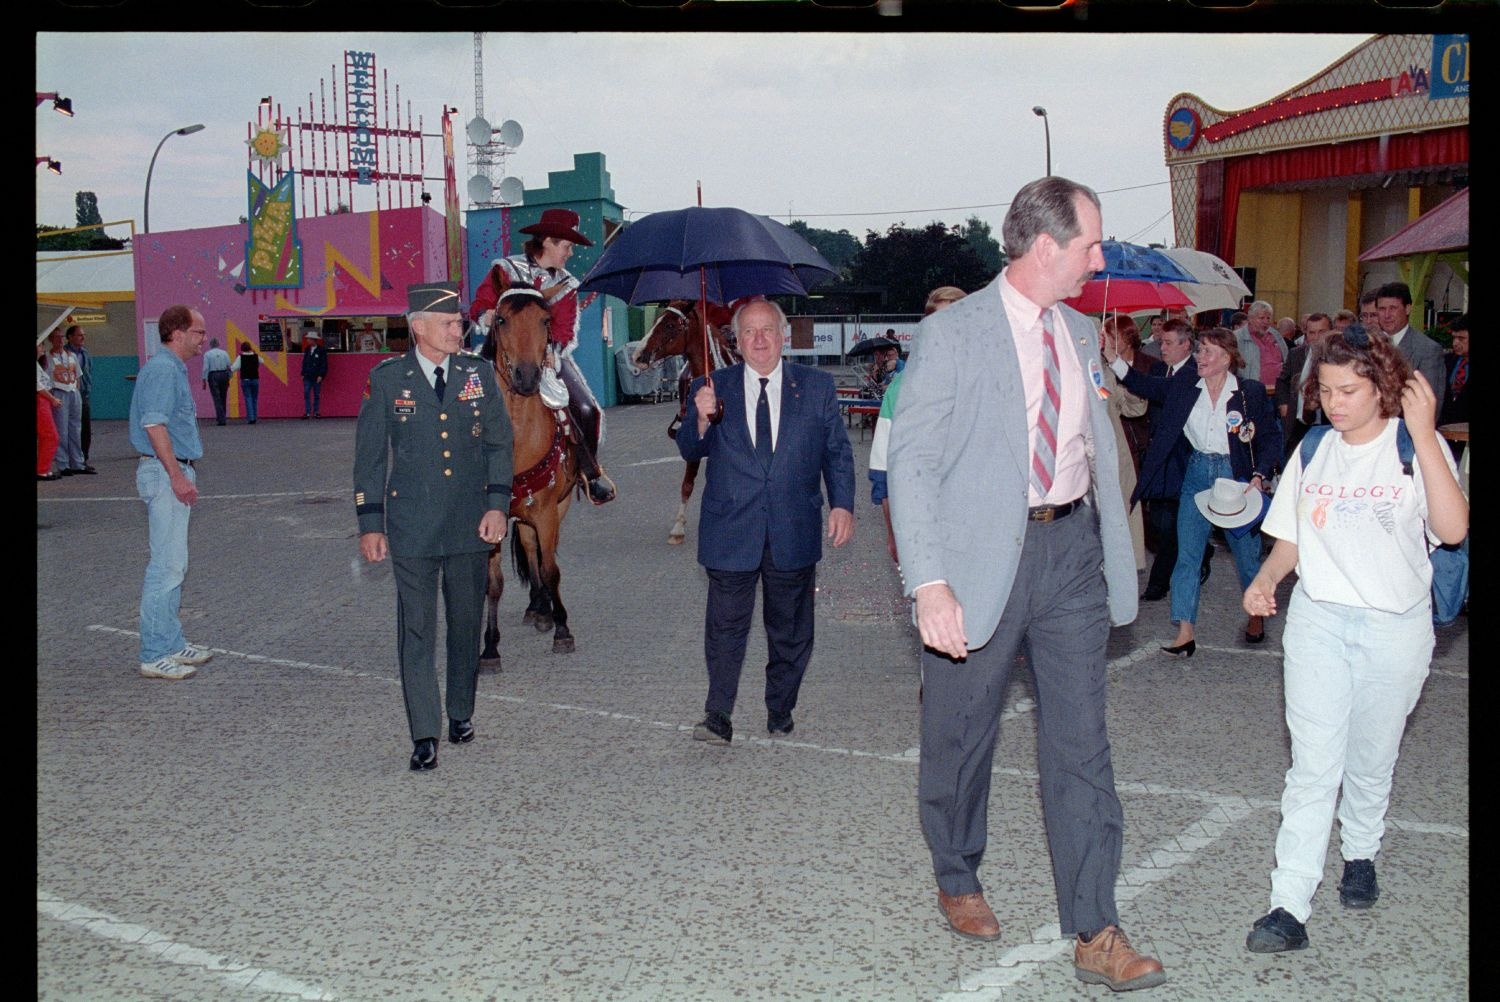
518,559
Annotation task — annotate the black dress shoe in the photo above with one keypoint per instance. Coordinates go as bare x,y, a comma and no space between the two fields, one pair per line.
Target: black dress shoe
780,726
1203,573
460,732
714,728
1153,593
67,472
49,476
86,469
1182,650
424,755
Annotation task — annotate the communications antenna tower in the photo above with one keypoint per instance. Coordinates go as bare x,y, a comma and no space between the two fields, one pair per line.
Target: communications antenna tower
488,147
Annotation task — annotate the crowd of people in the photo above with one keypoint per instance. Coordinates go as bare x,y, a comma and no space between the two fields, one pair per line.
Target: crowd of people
1013,454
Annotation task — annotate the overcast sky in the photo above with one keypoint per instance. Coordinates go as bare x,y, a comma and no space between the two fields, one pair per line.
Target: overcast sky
846,131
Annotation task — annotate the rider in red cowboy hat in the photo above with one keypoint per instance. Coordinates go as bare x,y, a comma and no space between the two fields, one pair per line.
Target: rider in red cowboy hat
540,267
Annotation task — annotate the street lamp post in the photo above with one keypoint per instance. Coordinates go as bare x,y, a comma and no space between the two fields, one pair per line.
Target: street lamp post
186,130
1041,113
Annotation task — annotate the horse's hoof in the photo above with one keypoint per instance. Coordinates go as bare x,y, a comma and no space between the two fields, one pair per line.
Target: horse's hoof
489,666
529,618
562,645
543,624
676,538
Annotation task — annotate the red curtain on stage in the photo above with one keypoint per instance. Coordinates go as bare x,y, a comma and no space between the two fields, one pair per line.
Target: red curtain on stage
1407,151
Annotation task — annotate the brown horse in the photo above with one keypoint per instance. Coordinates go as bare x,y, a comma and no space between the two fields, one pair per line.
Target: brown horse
678,331
546,468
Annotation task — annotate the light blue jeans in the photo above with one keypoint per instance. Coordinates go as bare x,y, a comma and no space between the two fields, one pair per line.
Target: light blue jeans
1192,536
1352,677
161,593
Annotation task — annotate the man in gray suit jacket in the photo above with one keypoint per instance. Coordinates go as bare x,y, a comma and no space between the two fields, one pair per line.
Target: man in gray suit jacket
1393,306
432,476
1006,503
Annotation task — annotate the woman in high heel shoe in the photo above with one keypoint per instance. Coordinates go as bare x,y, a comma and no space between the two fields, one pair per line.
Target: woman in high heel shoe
1356,524
1217,426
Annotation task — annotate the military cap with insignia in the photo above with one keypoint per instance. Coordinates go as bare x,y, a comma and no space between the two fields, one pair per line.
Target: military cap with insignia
433,297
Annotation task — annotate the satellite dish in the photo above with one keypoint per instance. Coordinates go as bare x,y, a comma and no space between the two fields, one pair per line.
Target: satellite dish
512,191
480,188
478,131
510,133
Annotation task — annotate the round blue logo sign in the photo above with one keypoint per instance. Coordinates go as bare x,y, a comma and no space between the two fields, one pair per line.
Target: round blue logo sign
1183,129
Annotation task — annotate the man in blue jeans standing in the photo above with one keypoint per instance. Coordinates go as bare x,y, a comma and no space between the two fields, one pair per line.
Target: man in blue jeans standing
164,431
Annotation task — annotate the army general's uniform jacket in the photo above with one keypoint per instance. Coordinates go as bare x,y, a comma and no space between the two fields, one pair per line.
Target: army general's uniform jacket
426,472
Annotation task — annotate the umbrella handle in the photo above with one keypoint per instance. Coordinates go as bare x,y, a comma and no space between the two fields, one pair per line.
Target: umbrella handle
718,414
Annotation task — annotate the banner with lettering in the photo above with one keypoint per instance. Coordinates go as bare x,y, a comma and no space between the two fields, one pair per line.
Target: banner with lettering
273,251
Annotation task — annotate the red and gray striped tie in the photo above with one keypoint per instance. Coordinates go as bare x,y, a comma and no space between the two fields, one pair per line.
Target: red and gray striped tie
1044,446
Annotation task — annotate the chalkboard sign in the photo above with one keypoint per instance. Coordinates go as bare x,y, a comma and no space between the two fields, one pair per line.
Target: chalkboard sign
270,335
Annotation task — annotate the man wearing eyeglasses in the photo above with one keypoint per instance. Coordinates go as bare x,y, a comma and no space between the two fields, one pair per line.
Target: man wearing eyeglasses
778,447
164,432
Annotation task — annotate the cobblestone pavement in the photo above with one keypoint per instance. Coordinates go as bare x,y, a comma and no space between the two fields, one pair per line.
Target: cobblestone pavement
254,833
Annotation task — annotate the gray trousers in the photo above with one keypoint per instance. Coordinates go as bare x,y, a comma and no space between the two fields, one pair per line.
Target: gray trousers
1058,616
463,583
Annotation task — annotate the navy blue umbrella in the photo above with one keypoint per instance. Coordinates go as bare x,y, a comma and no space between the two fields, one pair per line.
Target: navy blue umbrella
741,254
1144,264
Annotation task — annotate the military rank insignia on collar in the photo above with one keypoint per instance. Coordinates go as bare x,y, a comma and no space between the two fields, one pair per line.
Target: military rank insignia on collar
473,389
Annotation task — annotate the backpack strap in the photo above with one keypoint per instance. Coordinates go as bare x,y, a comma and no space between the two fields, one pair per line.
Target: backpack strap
1308,447
1406,449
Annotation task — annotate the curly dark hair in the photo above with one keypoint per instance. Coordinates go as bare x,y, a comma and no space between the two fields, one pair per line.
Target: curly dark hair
1371,356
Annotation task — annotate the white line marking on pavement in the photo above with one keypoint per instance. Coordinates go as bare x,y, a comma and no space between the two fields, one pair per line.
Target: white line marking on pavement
217,497
236,972
653,462
909,756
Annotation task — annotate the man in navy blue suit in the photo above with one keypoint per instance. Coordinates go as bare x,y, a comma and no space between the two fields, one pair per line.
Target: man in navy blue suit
779,444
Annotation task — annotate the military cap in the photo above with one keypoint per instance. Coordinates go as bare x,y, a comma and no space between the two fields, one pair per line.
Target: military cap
433,297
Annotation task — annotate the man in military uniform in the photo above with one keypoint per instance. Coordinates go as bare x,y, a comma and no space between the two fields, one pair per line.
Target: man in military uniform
432,463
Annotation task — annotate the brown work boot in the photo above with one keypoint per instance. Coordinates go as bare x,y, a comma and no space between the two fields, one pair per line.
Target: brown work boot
1109,959
969,916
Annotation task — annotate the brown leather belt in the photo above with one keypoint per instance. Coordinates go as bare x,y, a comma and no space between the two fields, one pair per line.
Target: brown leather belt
1052,512
184,462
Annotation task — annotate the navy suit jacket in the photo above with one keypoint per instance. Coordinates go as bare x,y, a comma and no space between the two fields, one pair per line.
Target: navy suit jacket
1454,406
1165,462
746,506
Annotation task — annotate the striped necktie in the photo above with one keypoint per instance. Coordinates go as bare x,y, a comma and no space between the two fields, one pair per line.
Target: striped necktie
1044,446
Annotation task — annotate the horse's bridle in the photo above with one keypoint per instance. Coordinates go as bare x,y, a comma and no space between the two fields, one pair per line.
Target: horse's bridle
500,353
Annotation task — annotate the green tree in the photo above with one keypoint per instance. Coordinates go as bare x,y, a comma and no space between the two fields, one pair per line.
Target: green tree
979,236
909,263
86,213
839,248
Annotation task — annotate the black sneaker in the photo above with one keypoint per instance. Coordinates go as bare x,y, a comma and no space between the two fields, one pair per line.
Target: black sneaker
714,728
1277,932
1358,888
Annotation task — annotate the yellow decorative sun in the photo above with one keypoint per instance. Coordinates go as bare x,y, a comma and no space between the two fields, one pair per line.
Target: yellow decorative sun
269,143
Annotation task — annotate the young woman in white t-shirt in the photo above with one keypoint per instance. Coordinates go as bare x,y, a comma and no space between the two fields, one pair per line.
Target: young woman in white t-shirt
1358,636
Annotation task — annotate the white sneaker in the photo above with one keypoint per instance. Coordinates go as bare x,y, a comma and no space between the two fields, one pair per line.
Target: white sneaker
190,655
167,667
